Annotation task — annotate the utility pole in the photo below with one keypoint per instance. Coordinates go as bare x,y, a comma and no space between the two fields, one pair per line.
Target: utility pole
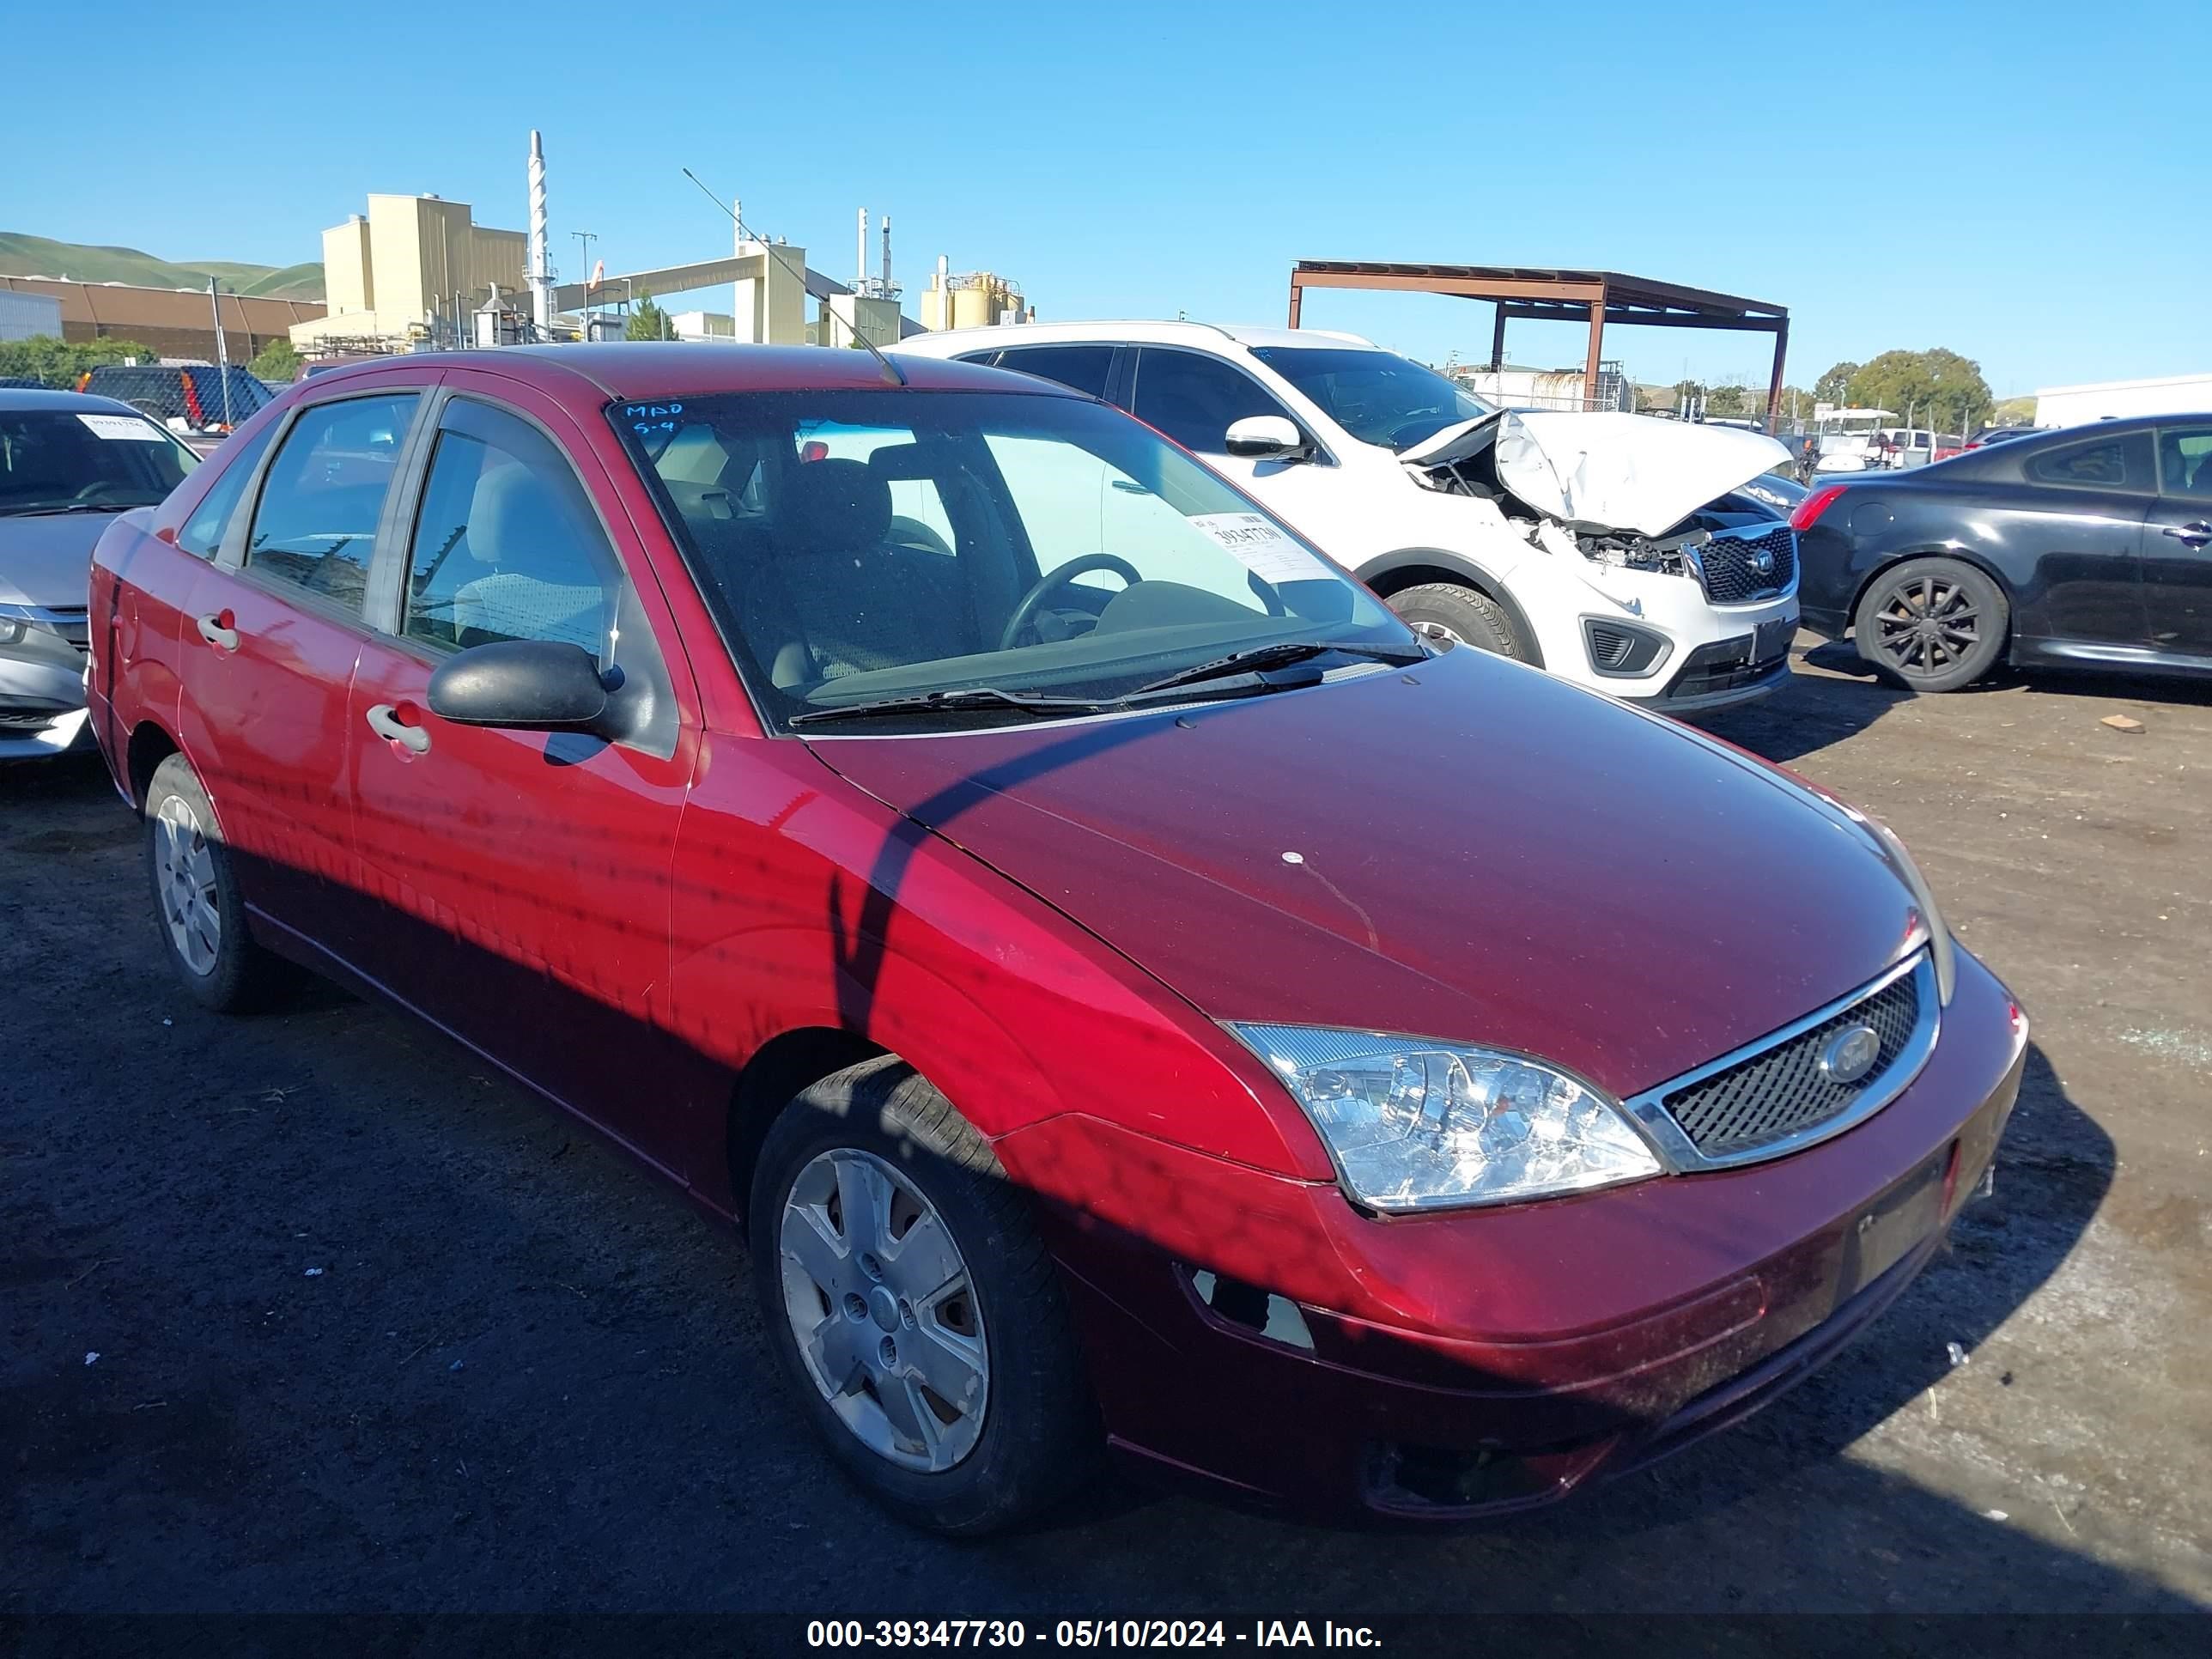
222,351
586,238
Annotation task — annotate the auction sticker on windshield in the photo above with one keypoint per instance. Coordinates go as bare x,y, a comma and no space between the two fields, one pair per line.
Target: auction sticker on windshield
125,429
1260,548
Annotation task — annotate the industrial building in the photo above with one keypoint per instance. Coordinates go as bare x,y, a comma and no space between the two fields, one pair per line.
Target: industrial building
2112,400
412,269
973,299
171,322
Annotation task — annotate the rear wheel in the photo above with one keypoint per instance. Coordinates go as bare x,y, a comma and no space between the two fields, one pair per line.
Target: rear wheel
1461,615
913,1307
1933,624
196,904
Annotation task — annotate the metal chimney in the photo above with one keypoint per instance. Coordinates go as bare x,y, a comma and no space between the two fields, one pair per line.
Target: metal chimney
541,262
887,254
860,262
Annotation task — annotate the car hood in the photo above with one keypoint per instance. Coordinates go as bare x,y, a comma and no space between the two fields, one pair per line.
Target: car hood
1473,851
1609,471
46,558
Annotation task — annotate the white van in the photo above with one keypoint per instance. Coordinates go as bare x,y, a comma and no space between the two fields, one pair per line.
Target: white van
1611,549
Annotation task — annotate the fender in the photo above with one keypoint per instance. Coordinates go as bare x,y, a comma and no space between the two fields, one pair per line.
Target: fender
1888,559
1378,570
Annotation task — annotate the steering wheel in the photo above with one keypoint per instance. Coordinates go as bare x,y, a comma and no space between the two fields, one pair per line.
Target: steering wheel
94,490
1033,601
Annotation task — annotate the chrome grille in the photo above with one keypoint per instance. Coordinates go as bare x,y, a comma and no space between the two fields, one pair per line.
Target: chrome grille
1780,1092
1731,565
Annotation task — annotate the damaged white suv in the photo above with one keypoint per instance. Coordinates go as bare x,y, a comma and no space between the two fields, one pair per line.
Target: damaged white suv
1611,550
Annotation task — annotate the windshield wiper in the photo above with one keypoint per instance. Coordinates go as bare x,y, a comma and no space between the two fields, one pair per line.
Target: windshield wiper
1260,658
979,696
44,510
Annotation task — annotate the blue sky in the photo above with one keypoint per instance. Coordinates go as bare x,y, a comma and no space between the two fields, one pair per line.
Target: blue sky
2027,183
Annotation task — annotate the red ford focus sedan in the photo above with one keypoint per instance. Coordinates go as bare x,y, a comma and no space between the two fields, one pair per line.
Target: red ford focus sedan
1130,991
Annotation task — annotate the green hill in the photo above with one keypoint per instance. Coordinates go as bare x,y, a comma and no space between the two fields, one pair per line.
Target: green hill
37,256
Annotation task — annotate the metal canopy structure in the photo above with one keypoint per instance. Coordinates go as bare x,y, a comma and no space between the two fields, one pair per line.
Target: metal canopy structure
1595,297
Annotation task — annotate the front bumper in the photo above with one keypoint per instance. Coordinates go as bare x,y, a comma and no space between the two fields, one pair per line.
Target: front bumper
1488,1361
42,710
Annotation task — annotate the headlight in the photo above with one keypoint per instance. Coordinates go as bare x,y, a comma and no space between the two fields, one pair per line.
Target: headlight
1941,950
1420,1125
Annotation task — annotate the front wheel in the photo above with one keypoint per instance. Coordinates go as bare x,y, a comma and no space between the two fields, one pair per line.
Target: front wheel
1932,624
913,1307
1461,615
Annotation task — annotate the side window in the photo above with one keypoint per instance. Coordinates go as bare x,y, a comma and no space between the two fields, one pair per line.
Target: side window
1081,367
507,545
202,533
2115,463
315,525
1193,398
2185,459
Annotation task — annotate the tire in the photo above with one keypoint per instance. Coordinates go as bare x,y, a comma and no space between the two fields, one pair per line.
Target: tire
1463,615
1034,1434
1932,624
198,911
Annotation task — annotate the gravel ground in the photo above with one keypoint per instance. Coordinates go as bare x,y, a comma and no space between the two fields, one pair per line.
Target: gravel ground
313,1312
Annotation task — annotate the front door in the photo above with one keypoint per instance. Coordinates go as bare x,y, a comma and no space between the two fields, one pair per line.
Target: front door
521,879
272,630
1194,398
2177,550
2083,524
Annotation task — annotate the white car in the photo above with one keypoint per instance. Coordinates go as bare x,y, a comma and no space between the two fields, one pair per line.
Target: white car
1611,549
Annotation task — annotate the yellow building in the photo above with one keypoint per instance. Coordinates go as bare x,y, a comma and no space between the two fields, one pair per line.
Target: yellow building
974,298
412,268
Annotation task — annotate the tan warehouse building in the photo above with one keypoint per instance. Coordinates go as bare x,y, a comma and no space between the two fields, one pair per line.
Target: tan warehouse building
171,322
412,269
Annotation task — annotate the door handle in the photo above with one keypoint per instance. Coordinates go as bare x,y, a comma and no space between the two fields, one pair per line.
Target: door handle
384,721
2195,533
218,631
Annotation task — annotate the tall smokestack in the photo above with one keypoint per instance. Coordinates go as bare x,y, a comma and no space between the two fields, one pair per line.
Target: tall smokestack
541,262
860,261
887,253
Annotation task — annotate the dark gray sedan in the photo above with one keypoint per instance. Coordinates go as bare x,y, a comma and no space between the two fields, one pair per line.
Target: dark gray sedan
68,464
2084,547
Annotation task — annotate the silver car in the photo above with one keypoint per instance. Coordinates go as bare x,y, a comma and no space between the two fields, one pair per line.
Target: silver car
68,464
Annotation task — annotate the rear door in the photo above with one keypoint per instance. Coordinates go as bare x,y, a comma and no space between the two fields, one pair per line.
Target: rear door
2177,546
521,879
272,629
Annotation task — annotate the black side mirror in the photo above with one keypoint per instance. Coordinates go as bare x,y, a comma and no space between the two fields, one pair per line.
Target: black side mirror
537,685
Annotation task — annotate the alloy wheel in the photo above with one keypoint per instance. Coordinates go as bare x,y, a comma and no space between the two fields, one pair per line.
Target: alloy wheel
1927,624
185,884
884,1310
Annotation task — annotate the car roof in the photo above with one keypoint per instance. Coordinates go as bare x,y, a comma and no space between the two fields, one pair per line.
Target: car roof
16,399
651,370
1140,331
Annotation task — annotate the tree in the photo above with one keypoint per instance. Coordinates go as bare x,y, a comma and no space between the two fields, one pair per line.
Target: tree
1732,402
57,363
647,321
1934,388
1834,387
277,362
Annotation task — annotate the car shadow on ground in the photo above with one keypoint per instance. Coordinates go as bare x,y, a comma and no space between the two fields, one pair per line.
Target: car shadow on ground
1811,711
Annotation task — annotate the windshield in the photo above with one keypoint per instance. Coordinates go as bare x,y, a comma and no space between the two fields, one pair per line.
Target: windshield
860,546
57,460
1378,397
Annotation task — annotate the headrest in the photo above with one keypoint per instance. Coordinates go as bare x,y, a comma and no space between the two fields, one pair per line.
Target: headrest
834,507
501,515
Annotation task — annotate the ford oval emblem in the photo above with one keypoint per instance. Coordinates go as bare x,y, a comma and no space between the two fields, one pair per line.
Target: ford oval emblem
1850,1054
1763,563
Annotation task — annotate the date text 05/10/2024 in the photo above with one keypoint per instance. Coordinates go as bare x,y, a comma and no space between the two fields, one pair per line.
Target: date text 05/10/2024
1086,1634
